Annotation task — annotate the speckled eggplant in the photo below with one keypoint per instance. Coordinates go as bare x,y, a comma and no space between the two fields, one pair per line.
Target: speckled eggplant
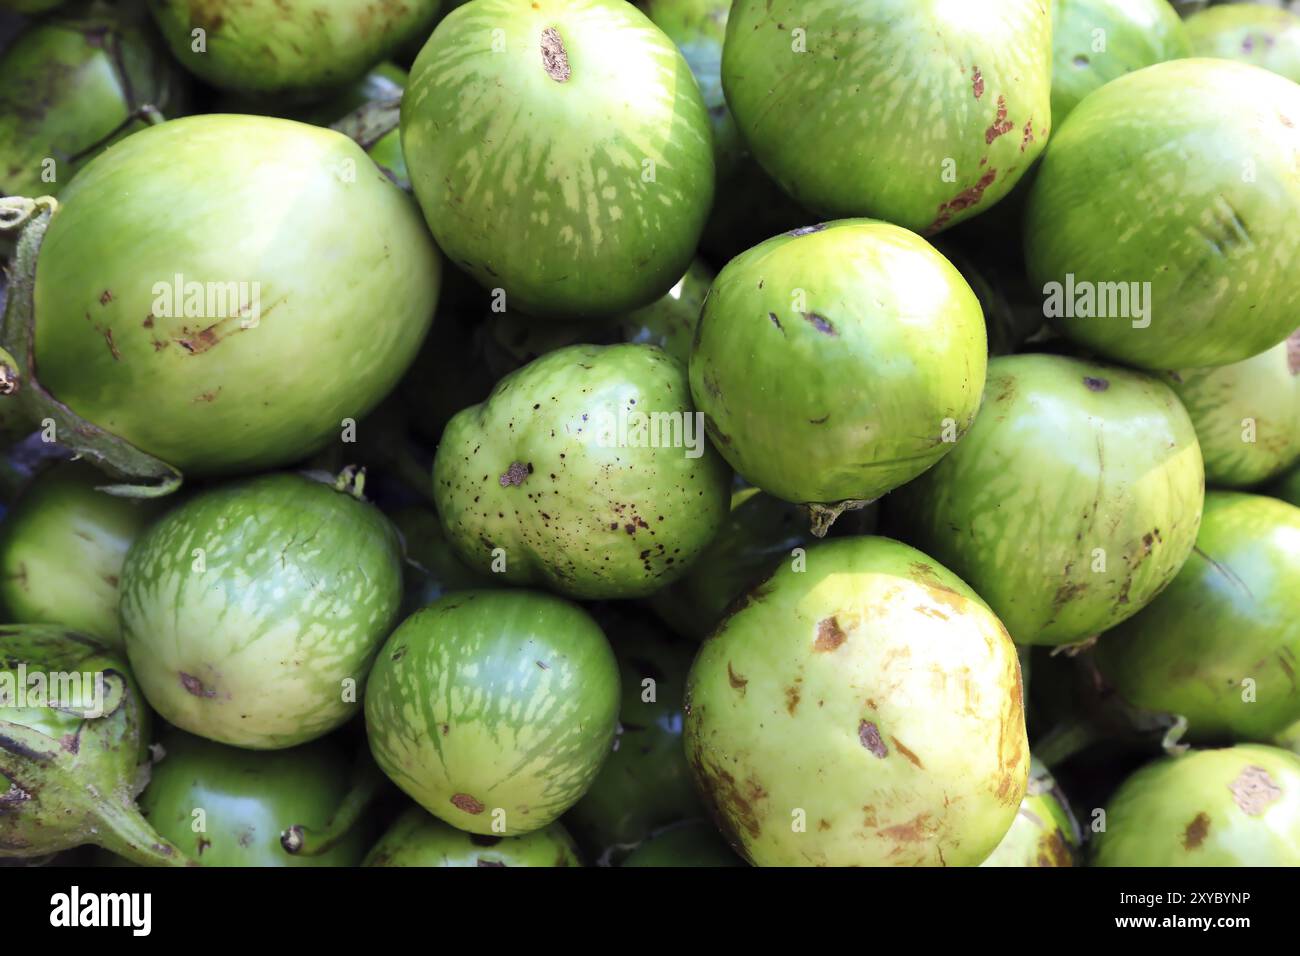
863,710
1221,645
494,710
252,612
533,484
1073,501
1239,806
419,839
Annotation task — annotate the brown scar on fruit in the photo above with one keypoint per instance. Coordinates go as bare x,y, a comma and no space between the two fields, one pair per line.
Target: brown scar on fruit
806,230
829,635
1000,125
965,199
1196,831
105,297
112,348
775,321
1254,791
977,81
1028,136
466,803
869,737
913,831
907,753
195,686
737,682
515,475
555,59
792,697
1056,852
1095,384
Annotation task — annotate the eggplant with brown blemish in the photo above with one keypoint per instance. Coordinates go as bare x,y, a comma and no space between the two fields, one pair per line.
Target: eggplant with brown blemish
223,336
864,708
418,838
1221,645
1238,806
561,152
810,84
1045,832
1072,502
494,710
586,471
836,362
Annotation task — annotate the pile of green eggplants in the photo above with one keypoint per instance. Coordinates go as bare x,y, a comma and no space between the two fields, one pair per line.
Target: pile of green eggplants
673,433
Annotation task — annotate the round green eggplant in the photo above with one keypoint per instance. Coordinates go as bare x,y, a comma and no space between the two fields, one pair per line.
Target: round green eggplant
587,471
1251,33
74,734
561,151
1162,216
252,612
1095,41
418,839
432,568
1073,501
1221,645
834,363
73,84
863,710
62,546
1045,832
494,710
691,843
1247,415
646,783
190,297
228,807
699,27
919,113
759,533
1239,806
294,48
